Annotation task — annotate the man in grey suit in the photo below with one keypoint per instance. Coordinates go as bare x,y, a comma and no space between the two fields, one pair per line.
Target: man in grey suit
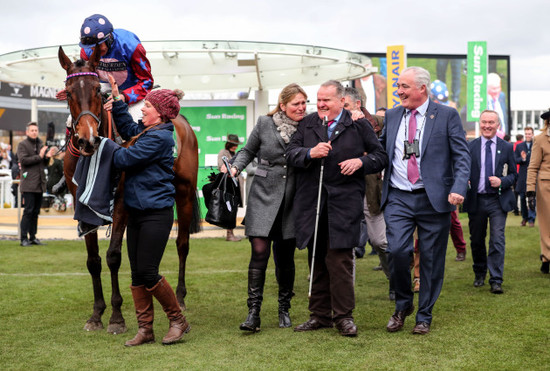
490,198
426,177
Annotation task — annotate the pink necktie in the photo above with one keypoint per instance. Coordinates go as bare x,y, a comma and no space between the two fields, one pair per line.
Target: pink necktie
412,167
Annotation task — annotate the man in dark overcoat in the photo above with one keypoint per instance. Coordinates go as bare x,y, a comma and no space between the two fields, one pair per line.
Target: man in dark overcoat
347,150
33,157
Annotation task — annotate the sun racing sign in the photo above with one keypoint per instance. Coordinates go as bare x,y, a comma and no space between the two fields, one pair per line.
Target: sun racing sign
477,79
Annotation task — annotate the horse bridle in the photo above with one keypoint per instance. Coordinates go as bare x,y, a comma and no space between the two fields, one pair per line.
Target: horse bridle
86,112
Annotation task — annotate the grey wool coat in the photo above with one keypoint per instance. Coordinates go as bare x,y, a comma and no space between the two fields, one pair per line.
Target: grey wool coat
273,181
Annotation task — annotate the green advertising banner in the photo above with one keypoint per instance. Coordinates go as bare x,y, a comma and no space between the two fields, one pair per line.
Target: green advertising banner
212,121
477,79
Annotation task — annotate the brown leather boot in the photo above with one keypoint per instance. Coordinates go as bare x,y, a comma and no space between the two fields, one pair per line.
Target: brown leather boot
178,324
143,302
231,237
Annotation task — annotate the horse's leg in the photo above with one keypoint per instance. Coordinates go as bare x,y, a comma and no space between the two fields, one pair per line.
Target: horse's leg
94,267
184,206
94,260
117,325
186,168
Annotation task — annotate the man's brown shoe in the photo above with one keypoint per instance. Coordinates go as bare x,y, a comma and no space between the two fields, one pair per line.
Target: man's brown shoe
397,321
460,257
311,325
347,328
421,328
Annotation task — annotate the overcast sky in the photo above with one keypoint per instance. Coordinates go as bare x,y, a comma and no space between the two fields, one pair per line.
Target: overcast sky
515,28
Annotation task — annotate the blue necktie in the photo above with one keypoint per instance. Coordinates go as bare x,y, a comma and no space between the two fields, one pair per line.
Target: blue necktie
488,167
330,127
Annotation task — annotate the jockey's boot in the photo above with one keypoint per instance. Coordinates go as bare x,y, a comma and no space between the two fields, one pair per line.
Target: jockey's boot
143,302
256,280
167,298
231,237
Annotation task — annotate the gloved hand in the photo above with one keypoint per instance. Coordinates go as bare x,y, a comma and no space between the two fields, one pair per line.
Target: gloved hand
59,186
531,200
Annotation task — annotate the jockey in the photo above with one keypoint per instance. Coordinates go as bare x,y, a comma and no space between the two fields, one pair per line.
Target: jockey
122,56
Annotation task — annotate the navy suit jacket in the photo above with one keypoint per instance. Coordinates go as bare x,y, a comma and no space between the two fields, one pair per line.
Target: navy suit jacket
445,159
504,155
523,165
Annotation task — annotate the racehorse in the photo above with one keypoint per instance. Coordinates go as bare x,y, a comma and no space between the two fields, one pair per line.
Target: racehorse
89,121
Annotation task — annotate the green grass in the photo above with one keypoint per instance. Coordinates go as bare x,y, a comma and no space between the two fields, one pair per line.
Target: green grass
46,298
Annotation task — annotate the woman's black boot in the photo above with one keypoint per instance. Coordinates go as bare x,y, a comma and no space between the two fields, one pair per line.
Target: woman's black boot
545,266
256,280
285,277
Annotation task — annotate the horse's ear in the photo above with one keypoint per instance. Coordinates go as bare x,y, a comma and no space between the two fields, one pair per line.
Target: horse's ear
64,60
94,58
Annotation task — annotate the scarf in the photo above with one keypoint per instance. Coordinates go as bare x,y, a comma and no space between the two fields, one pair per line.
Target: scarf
284,125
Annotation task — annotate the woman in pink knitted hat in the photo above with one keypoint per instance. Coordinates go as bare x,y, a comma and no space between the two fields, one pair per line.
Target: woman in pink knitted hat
149,199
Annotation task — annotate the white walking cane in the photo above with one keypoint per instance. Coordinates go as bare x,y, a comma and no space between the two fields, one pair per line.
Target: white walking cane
325,121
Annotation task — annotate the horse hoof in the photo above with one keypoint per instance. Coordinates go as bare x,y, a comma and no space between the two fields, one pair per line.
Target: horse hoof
116,328
93,326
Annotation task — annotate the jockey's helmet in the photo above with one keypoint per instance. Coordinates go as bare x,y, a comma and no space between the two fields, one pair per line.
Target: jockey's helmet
96,29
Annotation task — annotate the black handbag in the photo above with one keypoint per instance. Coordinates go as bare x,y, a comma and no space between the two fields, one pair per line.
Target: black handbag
222,199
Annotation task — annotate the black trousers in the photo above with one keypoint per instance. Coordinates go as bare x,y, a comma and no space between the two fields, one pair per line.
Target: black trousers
147,234
29,221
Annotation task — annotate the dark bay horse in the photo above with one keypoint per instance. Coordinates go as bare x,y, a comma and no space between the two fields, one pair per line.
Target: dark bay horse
90,120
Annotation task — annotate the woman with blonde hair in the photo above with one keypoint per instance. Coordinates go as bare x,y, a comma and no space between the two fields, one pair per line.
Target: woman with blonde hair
269,215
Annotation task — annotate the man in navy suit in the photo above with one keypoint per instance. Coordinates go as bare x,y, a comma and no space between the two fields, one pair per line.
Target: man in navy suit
490,198
523,157
426,177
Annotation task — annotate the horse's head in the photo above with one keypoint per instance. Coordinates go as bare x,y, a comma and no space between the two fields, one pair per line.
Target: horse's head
84,98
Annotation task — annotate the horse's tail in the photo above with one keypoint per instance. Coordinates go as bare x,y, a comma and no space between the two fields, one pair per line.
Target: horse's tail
195,225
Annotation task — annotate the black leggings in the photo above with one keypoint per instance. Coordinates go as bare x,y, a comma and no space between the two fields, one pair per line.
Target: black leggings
283,253
147,234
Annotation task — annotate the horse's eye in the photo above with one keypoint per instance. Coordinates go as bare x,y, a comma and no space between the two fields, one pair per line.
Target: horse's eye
68,95
98,90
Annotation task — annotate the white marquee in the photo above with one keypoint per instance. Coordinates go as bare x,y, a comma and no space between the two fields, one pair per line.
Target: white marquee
205,66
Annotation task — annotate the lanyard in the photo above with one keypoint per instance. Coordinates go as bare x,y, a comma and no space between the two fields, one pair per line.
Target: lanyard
419,128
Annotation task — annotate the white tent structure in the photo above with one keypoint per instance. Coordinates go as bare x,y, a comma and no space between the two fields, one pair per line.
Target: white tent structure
205,66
